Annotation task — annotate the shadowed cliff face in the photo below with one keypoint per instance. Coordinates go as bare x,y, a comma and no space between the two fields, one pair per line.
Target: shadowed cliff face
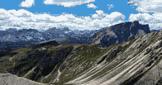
119,33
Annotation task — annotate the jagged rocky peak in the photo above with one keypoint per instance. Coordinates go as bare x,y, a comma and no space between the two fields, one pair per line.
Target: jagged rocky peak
119,33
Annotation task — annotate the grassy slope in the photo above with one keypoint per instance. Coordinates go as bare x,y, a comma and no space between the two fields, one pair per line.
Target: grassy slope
42,63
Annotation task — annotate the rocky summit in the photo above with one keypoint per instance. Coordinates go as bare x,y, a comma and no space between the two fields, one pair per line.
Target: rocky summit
119,33
133,61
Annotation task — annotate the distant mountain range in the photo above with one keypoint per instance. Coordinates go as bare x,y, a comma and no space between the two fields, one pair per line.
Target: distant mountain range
33,35
13,38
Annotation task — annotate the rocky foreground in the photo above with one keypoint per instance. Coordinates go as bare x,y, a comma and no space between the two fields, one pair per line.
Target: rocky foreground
137,62
9,79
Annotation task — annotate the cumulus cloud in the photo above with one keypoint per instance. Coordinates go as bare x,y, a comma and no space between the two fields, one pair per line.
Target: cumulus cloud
27,3
93,6
25,19
154,20
67,3
149,12
149,6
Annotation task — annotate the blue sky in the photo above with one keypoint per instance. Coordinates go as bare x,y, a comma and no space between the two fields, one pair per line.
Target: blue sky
80,10
78,14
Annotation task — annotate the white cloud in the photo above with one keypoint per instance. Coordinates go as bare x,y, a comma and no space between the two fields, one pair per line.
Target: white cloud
154,20
149,12
110,6
93,6
27,3
149,6
25,19
99,12
67,3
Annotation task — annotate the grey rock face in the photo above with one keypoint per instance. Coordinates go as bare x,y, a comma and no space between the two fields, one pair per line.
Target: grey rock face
136,62
9,79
